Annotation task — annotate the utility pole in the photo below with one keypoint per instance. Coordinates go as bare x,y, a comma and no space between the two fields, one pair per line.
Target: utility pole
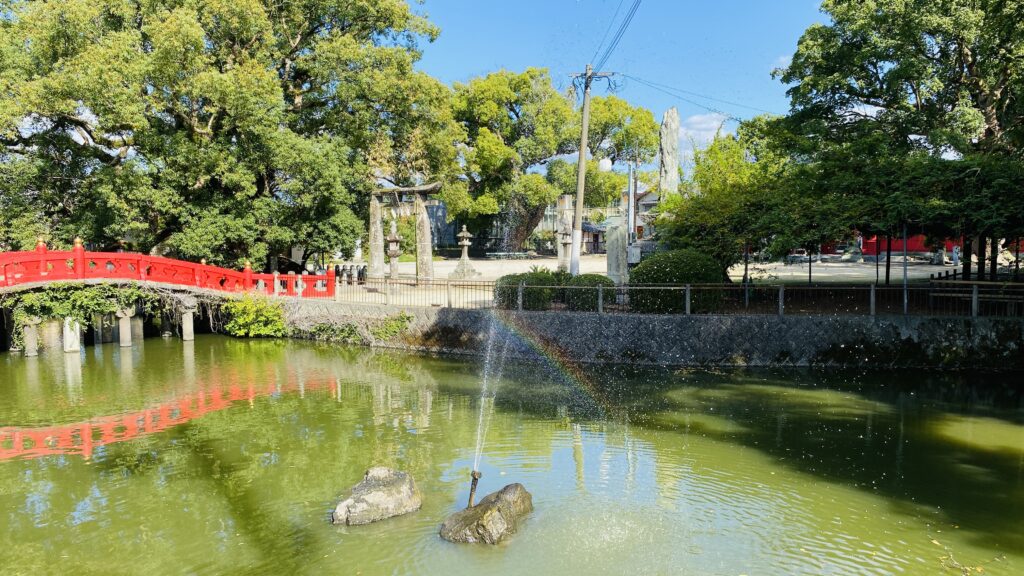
581,174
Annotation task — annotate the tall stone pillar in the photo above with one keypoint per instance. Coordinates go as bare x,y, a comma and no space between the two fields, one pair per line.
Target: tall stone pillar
72,335
138,328
124,326
30,334
618,270
424,242
187,329
376,269
668,181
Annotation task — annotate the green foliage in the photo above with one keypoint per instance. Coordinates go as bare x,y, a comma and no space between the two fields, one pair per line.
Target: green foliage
538,291
515,123
582,291
224,130
601,188
336,333
80,302
677,268
621,132
254,317
391,327
882,74
736,190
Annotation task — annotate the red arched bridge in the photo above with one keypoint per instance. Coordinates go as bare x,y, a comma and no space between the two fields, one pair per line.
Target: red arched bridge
43,265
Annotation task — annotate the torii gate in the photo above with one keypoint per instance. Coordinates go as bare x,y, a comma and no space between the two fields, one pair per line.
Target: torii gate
424,242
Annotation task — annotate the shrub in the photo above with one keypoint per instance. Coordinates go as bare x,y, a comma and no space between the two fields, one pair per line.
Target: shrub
345,333
254,317
537,294
390,327
677,267
582,292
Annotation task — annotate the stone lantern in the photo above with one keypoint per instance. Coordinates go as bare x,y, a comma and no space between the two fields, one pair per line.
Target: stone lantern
394,248
464,270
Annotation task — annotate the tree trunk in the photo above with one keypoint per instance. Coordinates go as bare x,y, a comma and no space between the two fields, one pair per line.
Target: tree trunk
1016,262
993,271
967,255
888,258
981,257
523,223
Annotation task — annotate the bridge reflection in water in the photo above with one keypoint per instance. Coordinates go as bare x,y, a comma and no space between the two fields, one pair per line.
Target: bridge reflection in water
83,438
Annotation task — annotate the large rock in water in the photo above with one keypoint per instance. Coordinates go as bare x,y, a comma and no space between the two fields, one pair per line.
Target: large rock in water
490,521
381,494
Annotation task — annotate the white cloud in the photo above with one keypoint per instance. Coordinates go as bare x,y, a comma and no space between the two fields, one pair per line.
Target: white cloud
698,131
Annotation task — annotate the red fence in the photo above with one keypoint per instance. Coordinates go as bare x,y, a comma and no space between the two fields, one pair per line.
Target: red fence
42,265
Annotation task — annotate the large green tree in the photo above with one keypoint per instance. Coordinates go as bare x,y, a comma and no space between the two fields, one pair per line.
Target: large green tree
225,129
517,126
940,75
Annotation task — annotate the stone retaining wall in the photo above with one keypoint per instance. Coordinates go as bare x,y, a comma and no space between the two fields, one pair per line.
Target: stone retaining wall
697,340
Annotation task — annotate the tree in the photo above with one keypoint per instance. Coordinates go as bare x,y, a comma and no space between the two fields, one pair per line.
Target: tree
513,122
224,130
736,183
602,188
517,123
942,76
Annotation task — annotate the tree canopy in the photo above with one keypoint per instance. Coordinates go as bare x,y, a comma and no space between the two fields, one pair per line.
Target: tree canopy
218,129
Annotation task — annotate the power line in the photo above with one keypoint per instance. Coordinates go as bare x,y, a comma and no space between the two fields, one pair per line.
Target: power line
664,88
607,30
618,36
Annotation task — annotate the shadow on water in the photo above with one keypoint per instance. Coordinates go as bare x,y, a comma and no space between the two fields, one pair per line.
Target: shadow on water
951,443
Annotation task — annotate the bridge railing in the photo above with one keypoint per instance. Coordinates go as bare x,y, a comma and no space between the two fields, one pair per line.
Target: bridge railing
44,265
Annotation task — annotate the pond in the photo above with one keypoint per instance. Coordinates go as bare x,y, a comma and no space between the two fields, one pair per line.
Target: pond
227,456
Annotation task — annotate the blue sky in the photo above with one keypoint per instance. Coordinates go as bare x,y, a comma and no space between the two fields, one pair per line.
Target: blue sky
724,49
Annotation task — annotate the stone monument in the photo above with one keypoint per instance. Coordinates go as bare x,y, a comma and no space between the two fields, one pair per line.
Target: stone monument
668,181
394,248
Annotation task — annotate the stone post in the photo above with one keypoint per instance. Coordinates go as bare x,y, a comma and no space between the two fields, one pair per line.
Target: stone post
30,333
424,240
617,238
72,336
124,326
376,271
50,330
138,328
189,307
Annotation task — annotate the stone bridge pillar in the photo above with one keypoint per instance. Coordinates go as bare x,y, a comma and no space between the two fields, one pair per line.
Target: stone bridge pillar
187,328
30,333
124,326
72,335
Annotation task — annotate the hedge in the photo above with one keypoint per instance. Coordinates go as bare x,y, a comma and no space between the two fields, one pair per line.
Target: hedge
678,267
537,293
582,291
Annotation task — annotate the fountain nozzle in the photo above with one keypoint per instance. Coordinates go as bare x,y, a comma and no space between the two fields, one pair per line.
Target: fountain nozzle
475,475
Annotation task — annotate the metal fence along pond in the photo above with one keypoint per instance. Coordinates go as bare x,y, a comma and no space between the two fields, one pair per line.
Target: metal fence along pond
934,299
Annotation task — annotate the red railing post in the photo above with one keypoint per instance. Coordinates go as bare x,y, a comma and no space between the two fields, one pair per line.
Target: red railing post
247,276
143,263
78,257
330,282
41,247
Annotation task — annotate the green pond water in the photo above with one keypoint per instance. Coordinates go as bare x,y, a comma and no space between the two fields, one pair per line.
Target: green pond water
226,457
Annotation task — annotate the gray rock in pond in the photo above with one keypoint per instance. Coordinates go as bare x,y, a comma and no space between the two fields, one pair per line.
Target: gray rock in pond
495,517
381,494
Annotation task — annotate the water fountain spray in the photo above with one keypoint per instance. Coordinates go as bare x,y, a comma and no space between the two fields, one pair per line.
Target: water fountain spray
475,475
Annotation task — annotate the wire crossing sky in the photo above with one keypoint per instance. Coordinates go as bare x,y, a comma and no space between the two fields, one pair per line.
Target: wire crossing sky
712,60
